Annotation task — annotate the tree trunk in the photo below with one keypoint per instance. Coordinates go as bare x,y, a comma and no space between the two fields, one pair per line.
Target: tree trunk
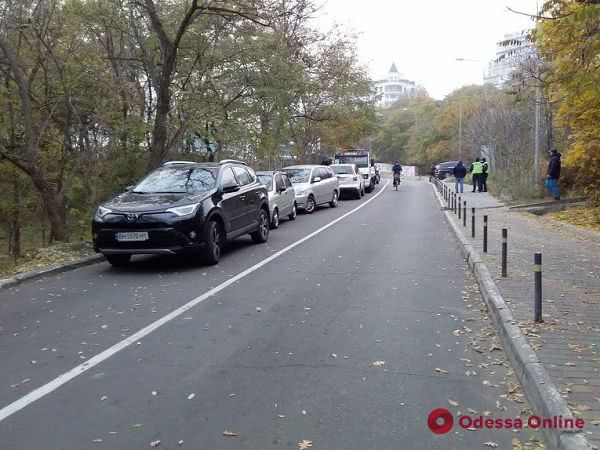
54,206
160,137
16,218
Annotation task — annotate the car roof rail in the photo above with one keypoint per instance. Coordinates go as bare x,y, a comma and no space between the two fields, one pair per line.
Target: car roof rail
234,161
168,163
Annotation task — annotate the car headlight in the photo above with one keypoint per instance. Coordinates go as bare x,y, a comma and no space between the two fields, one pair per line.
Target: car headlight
101,212
300,191
186,210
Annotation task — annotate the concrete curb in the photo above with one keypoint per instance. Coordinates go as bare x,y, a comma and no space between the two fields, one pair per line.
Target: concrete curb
539,388
52,270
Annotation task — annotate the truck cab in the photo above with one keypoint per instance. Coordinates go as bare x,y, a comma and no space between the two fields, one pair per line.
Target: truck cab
364,162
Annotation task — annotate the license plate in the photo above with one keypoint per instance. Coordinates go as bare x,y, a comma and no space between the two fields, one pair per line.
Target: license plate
132,236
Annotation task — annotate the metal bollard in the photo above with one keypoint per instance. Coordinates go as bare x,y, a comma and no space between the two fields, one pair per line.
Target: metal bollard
504,251
485,231
537,274
459,208
465,214
430,178
454,202
473,222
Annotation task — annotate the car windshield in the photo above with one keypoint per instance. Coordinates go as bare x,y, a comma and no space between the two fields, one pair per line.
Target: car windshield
178,180
265,179
343,170
298,175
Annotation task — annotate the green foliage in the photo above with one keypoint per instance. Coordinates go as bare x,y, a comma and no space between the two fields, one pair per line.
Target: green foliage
253,83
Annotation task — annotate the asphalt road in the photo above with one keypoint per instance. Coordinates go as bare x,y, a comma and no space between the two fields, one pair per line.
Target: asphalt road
283,354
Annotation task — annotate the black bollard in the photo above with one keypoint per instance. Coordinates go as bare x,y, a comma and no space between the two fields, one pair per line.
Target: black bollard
465,214
459,207
485,231
454,202
473,222
504,251
537,274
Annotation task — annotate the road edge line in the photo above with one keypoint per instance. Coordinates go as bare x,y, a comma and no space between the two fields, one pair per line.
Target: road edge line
64,378
537,384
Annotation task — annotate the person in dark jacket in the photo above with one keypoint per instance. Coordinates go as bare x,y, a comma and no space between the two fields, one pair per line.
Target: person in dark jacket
484,175
460,172
553,174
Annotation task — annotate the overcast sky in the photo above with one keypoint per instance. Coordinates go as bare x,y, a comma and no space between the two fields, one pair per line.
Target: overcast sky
424,37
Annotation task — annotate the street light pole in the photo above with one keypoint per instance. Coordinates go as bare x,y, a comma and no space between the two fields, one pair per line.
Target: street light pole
460,131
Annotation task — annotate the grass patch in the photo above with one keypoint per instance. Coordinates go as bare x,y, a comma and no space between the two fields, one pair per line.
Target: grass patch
582,216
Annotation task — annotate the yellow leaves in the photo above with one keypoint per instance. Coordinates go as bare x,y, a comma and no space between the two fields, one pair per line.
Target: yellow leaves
305,445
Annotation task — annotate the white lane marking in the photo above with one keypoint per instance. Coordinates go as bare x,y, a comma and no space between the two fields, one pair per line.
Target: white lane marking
47,388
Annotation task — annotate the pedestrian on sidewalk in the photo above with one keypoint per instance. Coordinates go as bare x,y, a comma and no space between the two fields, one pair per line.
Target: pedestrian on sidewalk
553,174
484,175
476,171
460,172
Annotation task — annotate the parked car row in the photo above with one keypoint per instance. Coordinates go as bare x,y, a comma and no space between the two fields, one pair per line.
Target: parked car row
184,207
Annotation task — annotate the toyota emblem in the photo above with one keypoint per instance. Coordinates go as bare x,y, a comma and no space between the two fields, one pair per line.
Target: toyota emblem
132,216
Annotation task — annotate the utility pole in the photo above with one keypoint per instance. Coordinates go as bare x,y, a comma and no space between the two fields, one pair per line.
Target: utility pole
536,159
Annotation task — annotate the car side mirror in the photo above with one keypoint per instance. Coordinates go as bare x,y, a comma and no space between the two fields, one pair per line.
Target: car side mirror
281,189
129,188
231,187
316,179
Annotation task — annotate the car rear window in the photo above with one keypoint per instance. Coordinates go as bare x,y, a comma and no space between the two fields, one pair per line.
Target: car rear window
343,170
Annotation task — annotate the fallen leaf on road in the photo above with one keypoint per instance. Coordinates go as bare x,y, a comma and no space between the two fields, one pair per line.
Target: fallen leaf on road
334,355
490,444
570,364
180,443
516,443
453,402
191,396
137,425
305,445
486,383
281,416
377,364
595,422
258,309
154,393
104,397
154,443
303,412
229,433
445,372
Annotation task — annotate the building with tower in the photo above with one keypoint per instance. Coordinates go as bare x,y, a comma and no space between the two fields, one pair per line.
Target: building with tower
393,88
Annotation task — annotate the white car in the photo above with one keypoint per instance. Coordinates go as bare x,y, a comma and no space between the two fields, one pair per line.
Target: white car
314,185
350,179
282,197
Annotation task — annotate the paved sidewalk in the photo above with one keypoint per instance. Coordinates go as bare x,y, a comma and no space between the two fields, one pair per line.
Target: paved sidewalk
568,342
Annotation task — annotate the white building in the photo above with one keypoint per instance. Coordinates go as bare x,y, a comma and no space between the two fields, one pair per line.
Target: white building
393,88
512,53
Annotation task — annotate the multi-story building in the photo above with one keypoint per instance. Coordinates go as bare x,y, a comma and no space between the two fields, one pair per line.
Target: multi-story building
393,88
513,53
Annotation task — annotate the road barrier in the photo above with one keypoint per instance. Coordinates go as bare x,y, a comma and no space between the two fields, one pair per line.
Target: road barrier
465,214
504,251
485,231
537,275
459,207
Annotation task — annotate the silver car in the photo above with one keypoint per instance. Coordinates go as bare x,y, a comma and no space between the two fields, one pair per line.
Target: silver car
314,185
282,198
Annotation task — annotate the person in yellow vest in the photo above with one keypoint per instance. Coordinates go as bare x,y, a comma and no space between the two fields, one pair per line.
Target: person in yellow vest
477,172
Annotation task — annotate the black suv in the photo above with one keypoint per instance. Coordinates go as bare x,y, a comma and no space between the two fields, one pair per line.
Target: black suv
445,169
183,206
